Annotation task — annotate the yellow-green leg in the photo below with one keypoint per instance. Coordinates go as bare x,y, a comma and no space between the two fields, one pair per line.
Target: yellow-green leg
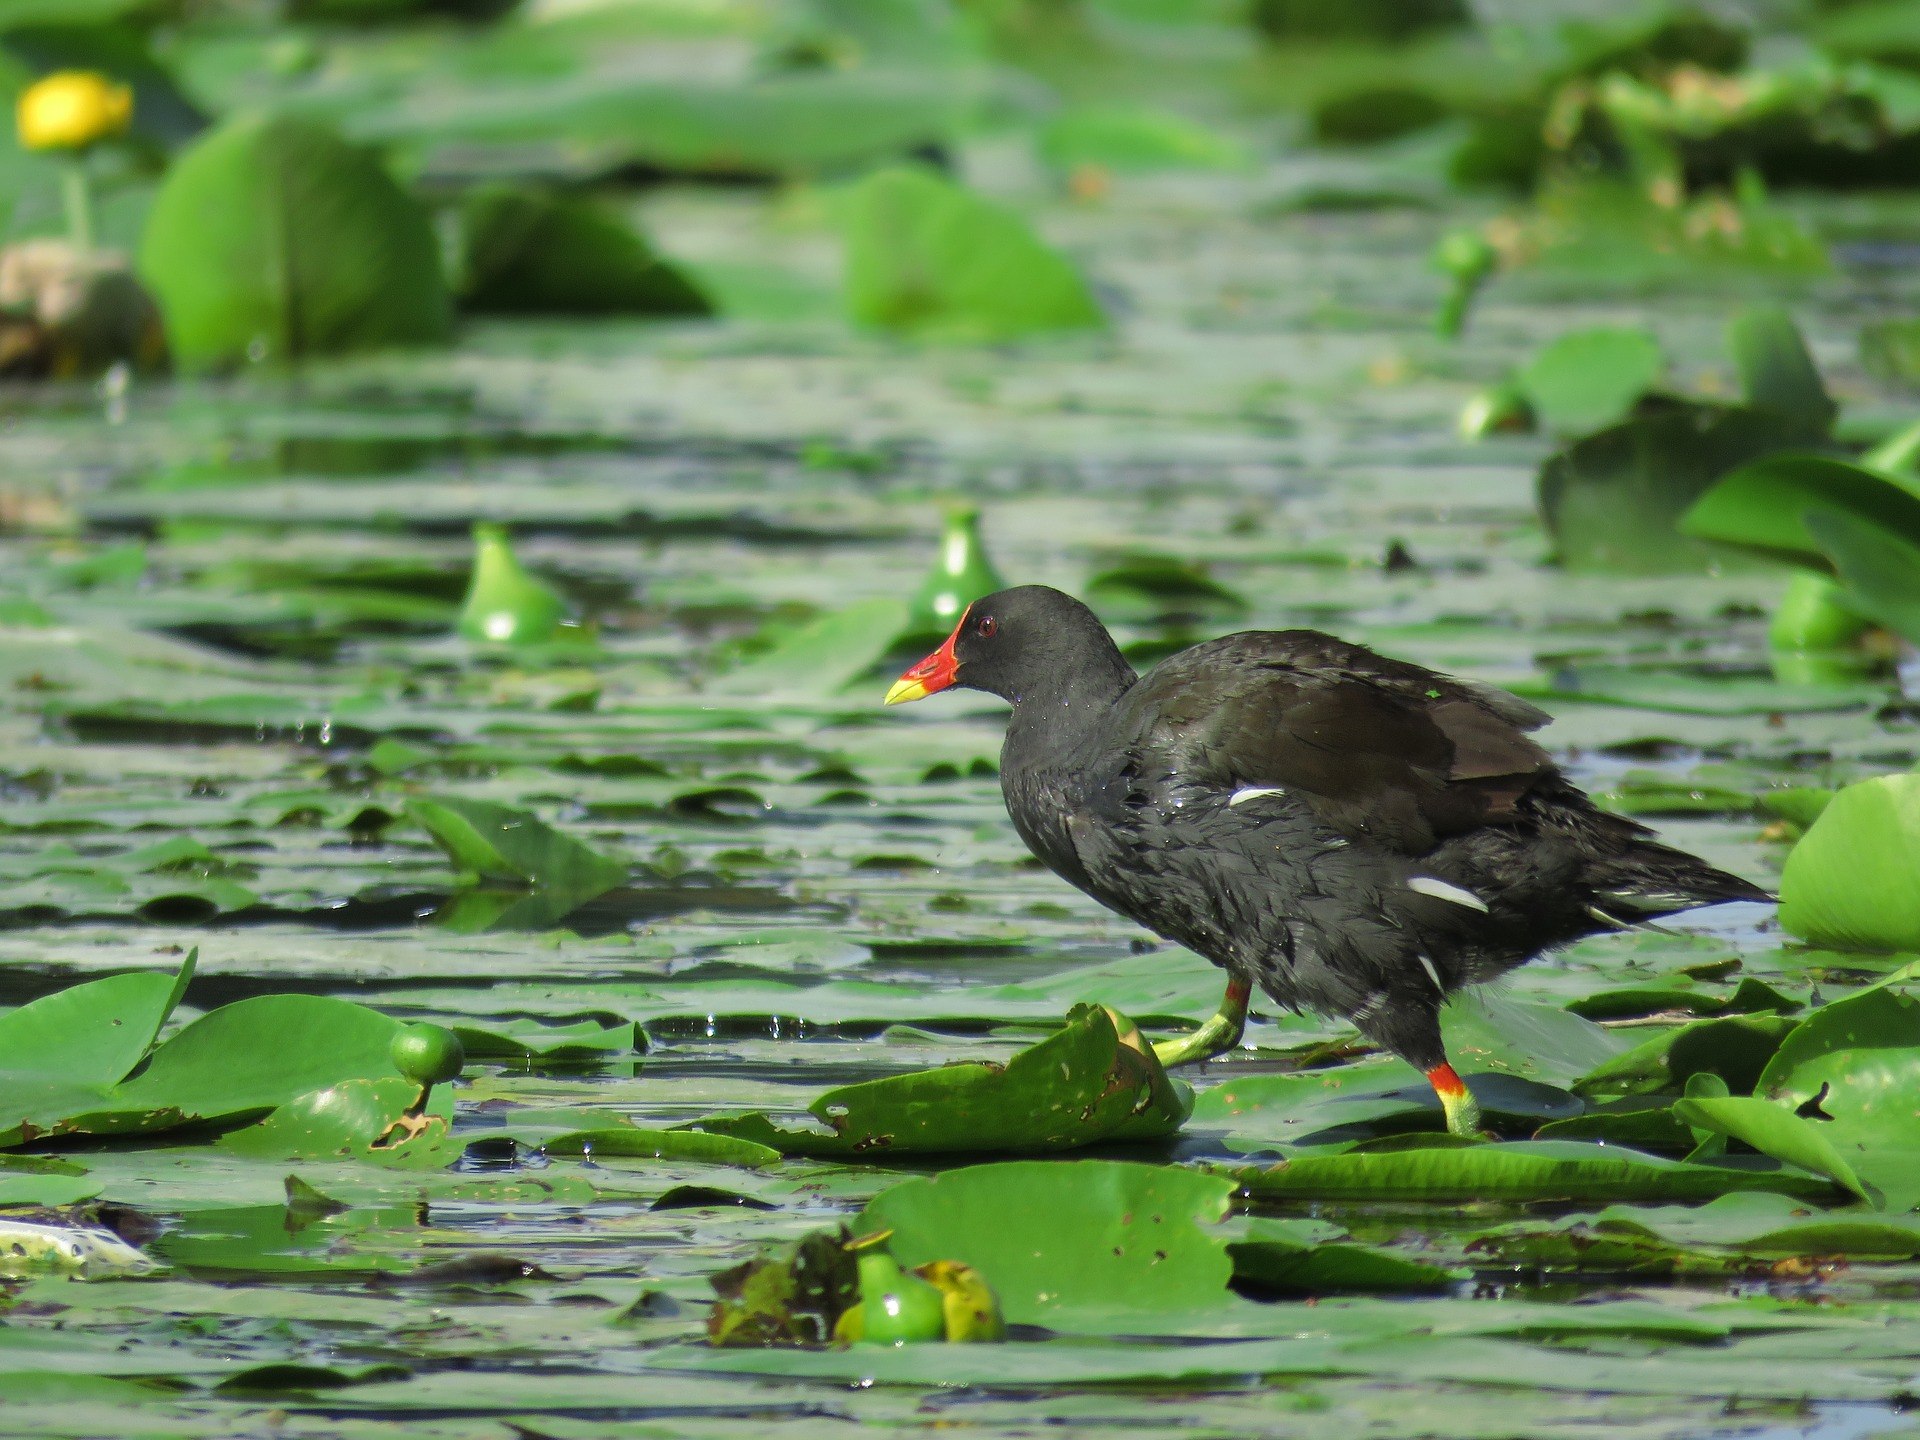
1219,1035
1463,1111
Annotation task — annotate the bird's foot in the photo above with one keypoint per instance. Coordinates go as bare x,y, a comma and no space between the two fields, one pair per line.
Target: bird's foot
1462,1110
1217,1036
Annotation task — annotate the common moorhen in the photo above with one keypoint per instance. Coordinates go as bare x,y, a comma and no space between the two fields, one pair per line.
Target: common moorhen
1360,836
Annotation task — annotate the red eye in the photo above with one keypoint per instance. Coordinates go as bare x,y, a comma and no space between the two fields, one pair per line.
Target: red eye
986,628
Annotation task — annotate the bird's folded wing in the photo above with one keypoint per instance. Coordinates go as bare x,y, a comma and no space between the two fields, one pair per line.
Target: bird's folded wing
1376,748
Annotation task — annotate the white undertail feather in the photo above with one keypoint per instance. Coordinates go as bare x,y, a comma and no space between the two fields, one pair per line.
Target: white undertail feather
1438,984
1441,890
1253,792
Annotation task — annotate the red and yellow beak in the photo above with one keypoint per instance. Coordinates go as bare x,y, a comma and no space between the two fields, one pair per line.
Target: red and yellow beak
936,672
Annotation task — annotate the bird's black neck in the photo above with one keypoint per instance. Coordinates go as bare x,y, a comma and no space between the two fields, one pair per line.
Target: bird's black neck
1058,707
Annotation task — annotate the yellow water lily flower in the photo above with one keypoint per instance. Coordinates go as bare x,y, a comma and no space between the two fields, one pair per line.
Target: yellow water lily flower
72,109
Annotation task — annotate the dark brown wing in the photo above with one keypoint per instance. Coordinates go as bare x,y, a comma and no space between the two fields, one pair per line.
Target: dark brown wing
1376,747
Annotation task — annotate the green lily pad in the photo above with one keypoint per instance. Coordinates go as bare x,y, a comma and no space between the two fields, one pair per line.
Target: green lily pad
1776,371
501,845
1096,1246
1591,378
1124,138
1772,1130
90,1034
1530,1170
1849,881
1289,1257
1853,1068
273,238
1763,506
1080,1086
353,1119
536,252
1735,1047
1611,500
258,1054
925,255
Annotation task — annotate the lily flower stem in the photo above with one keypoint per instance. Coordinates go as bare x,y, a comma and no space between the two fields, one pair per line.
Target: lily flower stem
77,190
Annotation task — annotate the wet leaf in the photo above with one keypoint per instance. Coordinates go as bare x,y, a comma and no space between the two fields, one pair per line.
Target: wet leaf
631,1142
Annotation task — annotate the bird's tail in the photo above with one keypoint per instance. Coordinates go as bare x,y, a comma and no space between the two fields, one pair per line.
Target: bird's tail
1646,880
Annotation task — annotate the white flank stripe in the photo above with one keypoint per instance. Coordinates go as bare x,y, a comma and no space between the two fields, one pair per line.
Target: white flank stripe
1254,792
1441,890
1434,973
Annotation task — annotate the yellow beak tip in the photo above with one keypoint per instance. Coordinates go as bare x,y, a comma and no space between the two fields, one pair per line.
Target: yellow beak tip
904,691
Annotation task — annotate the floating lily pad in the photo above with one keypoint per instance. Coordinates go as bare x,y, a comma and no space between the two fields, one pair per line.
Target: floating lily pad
1088,1245
499,845
1081,1086
1521,1170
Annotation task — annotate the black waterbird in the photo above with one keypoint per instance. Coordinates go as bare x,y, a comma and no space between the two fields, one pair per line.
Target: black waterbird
1357,835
